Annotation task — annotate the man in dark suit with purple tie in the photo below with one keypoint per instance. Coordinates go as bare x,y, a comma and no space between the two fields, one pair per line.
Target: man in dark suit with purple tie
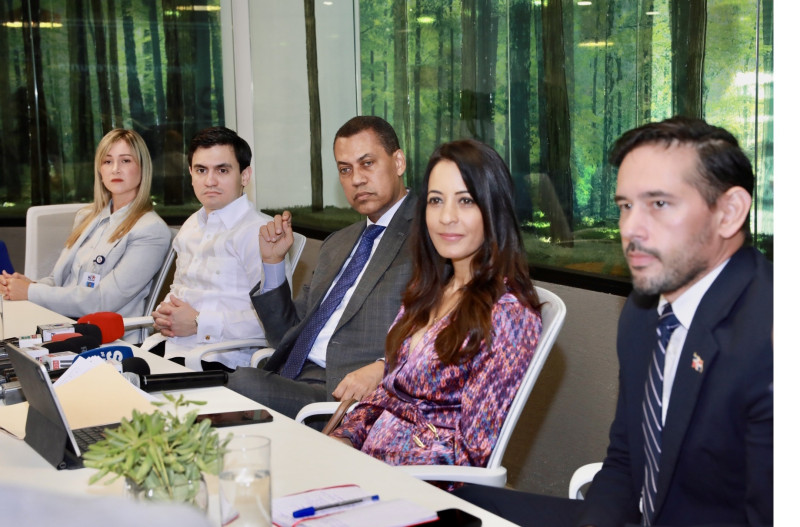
692,440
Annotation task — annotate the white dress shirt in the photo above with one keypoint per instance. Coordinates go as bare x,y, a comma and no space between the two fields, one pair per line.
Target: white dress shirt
218,263
273,276
684,308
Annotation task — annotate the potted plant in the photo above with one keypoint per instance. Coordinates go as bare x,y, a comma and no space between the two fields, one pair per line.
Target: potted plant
160,455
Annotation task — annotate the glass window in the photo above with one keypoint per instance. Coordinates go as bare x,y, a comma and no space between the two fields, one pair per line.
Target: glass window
551,85
71,71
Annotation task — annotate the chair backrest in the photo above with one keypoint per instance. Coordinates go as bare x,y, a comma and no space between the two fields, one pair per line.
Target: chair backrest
46,230
553,313
158,284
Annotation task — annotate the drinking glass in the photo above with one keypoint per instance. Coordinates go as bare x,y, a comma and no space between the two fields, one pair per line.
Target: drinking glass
244,482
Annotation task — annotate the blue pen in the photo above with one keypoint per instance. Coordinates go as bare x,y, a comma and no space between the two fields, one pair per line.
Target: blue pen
311,511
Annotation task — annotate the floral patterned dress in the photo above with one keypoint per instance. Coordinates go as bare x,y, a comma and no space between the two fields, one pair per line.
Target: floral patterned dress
425,412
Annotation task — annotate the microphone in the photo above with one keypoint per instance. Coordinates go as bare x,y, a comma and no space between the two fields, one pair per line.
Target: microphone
117,353
137,371
112,325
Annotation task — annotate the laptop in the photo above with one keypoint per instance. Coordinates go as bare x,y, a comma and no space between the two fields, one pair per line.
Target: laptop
46,429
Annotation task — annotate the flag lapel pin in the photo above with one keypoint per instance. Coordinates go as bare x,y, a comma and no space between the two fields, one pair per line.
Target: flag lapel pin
697,363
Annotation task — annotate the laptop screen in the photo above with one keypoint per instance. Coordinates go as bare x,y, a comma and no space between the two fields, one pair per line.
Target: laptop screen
39,392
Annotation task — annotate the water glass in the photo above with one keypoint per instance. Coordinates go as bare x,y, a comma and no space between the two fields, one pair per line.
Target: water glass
244,482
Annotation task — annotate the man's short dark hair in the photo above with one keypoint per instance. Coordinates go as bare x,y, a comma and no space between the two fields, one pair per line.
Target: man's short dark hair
386,134
722,163
219,135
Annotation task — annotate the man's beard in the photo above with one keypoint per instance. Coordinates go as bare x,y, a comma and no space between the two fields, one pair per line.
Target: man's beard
679,270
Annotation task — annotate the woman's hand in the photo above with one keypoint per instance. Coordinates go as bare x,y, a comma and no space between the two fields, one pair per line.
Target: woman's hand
14,286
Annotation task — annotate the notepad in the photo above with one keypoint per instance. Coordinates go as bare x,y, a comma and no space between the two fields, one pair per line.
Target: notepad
381,513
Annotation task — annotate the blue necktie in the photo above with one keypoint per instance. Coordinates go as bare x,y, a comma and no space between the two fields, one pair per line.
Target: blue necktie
302,346
652,406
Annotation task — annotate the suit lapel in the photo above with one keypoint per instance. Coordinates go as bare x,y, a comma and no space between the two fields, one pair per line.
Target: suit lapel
327,269
387,250
62,268
697,358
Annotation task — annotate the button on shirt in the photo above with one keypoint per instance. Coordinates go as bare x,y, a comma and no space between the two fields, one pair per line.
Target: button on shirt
218,262
274,277
684,308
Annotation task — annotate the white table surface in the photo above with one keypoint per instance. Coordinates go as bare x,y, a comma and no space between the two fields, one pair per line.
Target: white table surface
301,457
20,317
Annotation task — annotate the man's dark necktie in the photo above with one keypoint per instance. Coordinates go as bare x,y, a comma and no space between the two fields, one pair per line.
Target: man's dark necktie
302,346
652,406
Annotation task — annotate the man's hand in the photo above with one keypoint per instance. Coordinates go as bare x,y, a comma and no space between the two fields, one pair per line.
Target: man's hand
175,318
359,383
14,286
275,238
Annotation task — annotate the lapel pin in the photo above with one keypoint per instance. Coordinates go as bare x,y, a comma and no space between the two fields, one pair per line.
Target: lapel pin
697,363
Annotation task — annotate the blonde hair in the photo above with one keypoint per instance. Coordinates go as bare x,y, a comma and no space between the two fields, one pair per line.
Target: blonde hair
140,205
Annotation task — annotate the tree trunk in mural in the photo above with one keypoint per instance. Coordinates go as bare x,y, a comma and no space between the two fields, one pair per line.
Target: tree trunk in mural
37,109
113,66
315,119
173,183
101,57
155,49
556,154
519,125
81,109
689,49
416,157
479,40
135,99
402,116
644,64
10,159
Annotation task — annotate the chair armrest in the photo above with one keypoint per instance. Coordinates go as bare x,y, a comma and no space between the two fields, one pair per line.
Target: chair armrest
310,410
259,355
194,356
581,477
493,477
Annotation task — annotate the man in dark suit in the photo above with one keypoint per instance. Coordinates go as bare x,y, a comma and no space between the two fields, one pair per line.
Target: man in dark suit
334,349
692,440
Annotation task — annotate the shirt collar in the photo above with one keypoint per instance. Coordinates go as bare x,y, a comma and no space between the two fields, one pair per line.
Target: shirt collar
229,215
685,305
389,214
116,217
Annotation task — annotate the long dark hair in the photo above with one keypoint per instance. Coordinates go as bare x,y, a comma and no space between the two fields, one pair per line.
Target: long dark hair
499,265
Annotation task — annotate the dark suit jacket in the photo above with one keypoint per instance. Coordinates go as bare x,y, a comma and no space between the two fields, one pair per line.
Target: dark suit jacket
716,462
360,336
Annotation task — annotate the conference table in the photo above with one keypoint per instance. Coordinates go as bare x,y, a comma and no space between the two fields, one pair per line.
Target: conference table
301,458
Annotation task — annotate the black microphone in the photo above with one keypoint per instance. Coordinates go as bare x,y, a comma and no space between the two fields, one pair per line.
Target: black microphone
90,339
137,371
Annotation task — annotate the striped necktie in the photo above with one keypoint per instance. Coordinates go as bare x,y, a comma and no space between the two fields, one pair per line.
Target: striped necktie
652,405
308,335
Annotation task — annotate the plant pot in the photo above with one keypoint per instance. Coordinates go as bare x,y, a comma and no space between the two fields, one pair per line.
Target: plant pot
192,492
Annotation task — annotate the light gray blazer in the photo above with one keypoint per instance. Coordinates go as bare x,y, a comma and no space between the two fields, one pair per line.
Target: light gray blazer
129,267
359,338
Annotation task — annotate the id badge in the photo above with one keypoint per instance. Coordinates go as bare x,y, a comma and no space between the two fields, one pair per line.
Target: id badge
90,279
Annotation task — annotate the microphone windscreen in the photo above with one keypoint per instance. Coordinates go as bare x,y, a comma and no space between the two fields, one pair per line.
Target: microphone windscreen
89,330
110,324
58,337
75,344
114,352
136,365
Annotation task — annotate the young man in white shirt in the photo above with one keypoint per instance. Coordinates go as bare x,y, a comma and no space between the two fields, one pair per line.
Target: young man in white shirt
218,258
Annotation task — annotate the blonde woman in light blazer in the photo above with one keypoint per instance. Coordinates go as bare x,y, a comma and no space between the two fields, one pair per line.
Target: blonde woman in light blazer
117,245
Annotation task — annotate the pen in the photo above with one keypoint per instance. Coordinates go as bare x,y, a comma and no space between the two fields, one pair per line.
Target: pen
311,511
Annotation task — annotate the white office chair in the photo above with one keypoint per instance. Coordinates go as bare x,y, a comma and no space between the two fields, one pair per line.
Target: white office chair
493,474
46,230
581,477
195,356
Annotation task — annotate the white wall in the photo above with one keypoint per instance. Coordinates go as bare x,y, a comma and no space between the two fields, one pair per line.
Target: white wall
272,94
